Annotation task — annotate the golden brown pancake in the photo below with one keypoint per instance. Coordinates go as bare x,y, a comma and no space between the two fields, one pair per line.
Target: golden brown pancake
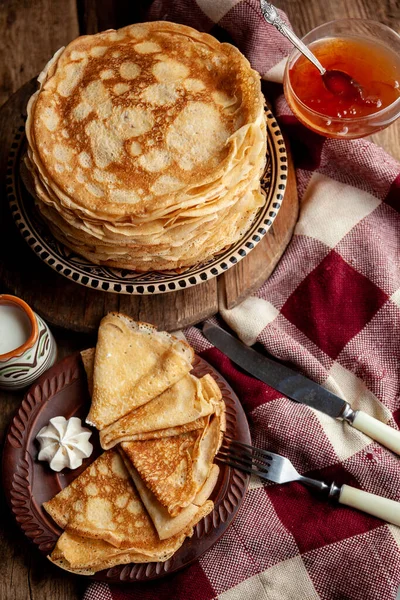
102,504
166,525
85,553
180,106
166,467
86,556
146,146
187,401
175,468
198,424
133,364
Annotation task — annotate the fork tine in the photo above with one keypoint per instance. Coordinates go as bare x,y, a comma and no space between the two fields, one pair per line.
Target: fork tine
234,465
233,442
241,456
243,453
242,459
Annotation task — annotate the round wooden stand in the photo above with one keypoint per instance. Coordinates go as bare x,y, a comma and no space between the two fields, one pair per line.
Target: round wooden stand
64,303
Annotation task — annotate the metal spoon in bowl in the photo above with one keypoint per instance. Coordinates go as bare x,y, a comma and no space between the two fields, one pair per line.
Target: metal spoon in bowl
337,82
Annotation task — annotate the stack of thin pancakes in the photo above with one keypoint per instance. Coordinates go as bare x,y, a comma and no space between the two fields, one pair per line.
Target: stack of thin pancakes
146,146
160,427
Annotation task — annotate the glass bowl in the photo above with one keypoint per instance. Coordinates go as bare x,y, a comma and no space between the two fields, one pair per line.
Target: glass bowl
385,40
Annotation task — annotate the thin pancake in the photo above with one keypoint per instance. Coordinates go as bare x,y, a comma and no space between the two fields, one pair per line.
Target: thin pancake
133,364
191,85
166,467
197,425
185,402
146,146
85,556
175,468
102,504
166,525
84,553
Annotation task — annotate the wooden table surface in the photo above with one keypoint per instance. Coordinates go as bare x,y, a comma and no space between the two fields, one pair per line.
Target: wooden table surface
30,32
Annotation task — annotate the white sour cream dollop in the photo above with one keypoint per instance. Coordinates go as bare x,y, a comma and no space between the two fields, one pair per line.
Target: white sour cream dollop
64,443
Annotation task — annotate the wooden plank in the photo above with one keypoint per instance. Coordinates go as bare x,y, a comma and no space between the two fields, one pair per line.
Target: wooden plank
305,16
389,139
26,574
27,39
30,33
98,15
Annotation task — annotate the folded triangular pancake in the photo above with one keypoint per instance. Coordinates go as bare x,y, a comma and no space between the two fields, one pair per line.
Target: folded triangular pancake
172,431
84,553
186,401
166,525
108,561
133,364
175,468
88,363
85,556
166,467
102,503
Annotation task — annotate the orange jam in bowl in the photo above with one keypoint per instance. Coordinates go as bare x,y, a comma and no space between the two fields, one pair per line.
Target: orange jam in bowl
369,53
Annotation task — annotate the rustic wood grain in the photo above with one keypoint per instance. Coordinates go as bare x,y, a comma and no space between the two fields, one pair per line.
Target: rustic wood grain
98,15
30,33
389,139
25,574
308,15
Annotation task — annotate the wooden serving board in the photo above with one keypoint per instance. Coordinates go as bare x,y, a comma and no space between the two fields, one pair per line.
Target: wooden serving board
63,303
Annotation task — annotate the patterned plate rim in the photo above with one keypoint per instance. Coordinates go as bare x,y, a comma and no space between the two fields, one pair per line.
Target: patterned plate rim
19,475
80,270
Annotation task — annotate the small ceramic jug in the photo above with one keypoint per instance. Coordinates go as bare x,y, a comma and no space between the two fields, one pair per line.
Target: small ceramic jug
26,342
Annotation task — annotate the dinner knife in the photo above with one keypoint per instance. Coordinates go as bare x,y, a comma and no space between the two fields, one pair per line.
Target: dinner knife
299,388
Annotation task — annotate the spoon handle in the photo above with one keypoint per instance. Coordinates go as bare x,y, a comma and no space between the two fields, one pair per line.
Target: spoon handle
270,14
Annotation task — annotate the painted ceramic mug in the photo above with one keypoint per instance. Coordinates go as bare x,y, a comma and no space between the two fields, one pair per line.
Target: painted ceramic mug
27,347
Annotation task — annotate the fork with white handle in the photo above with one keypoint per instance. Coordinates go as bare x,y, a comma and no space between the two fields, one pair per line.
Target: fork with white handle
276,468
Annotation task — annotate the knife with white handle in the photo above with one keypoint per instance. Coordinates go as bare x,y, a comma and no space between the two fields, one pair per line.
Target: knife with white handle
300,388
378,431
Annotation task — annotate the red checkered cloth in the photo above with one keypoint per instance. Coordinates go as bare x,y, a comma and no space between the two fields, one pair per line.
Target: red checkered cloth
331,309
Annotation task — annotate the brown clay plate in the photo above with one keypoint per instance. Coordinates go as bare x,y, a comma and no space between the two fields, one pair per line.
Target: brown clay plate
62,390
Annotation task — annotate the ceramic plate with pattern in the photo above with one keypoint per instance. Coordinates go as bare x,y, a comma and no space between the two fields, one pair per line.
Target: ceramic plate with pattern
71,265
28,482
